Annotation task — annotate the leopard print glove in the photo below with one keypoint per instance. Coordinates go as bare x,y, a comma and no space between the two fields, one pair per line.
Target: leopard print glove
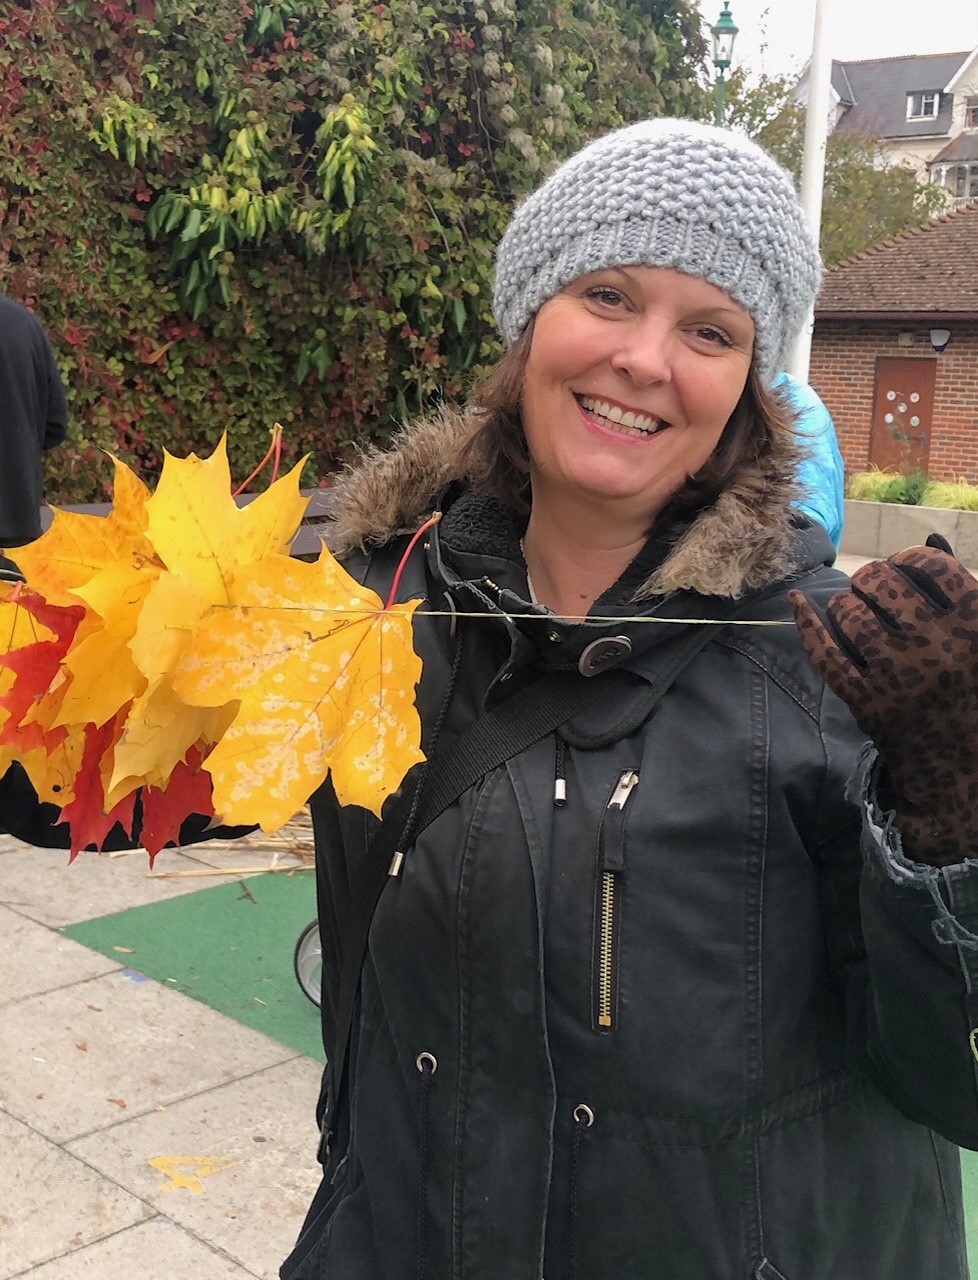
900,646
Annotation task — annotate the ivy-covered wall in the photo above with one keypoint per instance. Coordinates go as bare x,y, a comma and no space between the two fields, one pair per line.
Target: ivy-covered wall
231,213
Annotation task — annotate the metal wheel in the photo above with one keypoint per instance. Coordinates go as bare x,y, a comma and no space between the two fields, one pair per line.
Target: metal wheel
308,962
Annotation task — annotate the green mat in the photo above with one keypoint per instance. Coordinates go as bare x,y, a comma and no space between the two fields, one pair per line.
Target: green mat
231,948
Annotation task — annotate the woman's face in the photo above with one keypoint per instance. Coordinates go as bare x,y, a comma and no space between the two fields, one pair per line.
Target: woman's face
631,376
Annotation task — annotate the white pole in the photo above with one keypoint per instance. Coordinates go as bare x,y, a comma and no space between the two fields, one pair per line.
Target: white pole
813,161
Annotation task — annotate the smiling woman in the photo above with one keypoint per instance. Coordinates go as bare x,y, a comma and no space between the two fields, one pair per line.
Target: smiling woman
662,963
654,996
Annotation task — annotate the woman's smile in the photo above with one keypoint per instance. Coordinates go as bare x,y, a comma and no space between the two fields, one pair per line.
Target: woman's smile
606,415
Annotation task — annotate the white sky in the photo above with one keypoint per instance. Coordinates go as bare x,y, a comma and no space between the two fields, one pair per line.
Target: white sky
775,36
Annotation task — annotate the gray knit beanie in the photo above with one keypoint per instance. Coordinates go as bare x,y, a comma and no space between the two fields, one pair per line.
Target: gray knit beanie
667,193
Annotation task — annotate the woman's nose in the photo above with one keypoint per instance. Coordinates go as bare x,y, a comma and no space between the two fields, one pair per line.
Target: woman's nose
642,354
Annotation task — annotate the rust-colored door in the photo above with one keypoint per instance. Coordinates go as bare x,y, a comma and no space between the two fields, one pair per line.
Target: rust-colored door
903,411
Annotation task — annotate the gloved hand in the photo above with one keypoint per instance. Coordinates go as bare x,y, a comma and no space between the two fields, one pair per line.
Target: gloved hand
900,646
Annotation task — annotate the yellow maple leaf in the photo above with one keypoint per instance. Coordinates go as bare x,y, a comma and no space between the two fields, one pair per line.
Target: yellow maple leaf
76,547
104,676
320,688
200,532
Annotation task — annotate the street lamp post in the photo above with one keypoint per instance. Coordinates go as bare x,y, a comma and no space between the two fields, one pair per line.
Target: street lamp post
723,41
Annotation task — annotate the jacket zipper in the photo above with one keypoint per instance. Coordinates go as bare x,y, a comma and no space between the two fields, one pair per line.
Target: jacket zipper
611,865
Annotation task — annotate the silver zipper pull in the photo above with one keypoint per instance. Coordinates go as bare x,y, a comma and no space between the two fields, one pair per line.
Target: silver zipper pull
626,785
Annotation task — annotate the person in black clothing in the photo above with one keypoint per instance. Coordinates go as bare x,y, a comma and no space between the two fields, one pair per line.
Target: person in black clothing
33,418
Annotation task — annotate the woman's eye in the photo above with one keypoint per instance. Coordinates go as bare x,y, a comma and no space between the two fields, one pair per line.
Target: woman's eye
712,335
605,295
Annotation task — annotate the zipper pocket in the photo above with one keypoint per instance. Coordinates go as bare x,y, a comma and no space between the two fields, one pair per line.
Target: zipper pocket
607,908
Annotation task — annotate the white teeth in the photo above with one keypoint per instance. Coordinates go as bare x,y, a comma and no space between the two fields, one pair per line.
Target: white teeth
638,422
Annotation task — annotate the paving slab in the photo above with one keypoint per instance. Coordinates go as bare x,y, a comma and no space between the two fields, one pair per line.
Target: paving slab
236,1167
35,958
52,1202
40,884
97,1052
151,1251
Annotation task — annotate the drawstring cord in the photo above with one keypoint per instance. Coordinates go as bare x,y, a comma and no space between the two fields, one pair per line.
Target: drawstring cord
560,778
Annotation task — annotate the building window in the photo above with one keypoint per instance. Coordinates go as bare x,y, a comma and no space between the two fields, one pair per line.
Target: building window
971,112
922,106
959,180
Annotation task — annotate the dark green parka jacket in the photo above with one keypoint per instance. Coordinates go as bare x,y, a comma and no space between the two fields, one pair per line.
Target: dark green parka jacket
659,1002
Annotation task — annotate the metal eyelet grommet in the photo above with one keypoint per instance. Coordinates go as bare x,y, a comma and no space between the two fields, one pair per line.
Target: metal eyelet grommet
583,1114
428,1060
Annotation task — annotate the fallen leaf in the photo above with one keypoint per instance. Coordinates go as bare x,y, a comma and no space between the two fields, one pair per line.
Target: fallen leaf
184,1173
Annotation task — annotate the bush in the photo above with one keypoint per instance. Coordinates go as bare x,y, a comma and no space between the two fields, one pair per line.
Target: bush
914,490
877,486
229,213
956,495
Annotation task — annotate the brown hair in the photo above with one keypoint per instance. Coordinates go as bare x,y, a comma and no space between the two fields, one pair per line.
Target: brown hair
496,459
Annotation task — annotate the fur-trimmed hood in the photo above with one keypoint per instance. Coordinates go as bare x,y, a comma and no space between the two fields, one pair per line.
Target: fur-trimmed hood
746,540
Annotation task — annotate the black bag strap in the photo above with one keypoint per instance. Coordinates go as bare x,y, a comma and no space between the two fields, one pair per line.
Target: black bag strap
501,733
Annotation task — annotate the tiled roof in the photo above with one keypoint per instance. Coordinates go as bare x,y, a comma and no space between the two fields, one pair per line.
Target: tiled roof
931,269
963,147
878,88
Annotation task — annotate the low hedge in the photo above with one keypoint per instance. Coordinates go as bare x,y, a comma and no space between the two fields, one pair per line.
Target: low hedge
915,490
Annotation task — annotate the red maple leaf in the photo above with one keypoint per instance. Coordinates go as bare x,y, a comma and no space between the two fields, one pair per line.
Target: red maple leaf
188,791
34,667
85,815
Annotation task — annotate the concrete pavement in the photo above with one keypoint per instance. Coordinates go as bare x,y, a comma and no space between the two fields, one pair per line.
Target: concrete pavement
143,1133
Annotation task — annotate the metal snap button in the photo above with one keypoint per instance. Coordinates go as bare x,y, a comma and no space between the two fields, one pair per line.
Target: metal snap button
603,653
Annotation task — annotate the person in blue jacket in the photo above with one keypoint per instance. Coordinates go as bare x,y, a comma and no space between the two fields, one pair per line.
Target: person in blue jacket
822,471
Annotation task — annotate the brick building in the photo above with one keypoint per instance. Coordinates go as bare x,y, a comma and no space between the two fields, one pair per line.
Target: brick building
895,351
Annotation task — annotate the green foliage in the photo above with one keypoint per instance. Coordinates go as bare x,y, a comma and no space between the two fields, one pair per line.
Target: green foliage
913,490
867,198
234,212
956,495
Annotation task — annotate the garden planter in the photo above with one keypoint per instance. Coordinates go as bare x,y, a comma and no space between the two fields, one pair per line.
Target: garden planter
877,529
